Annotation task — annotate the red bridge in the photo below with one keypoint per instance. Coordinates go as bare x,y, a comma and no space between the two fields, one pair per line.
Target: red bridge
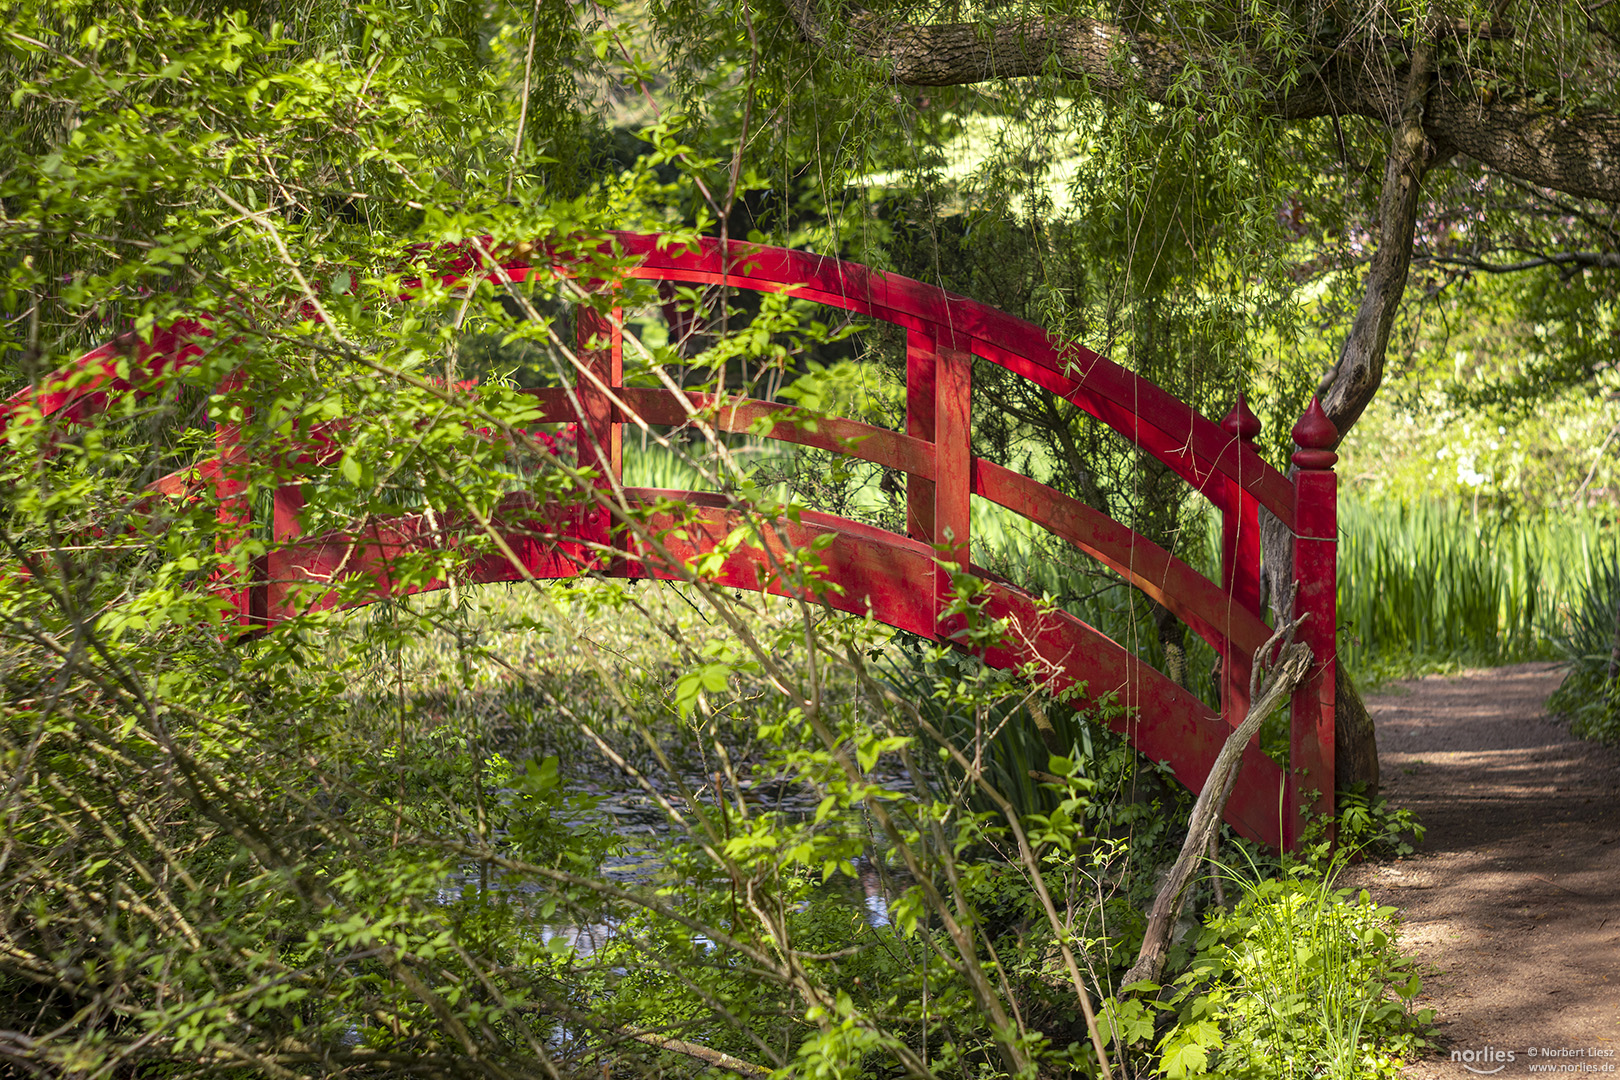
898,580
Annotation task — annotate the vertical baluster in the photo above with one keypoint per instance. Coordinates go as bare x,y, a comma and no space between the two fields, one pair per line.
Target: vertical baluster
953,458
1315,573
921,352
600,443
285,528
234,513
1240,562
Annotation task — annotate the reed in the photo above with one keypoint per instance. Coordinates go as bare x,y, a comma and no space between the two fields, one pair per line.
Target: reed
1590,694
1429,585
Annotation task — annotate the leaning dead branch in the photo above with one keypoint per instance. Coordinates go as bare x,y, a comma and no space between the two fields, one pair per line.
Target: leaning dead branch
1268,689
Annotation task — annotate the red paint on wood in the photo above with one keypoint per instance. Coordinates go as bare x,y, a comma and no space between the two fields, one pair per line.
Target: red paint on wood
953,475
878,572
234,514
1240,565
1189,595
776,421
601,438
282,572
1191,444
1311,740
1162,720
921,363
1314,431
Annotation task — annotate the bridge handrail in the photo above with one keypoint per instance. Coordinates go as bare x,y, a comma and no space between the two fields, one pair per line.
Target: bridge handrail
1188,594
1193,446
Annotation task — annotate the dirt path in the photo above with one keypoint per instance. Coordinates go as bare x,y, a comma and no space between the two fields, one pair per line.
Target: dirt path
1514,897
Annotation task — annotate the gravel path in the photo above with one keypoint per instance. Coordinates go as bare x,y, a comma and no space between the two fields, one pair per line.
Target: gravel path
1514,897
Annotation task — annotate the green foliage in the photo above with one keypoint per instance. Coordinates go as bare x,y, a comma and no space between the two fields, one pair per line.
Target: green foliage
1297,980
1019,740
1372,827
1590,693
1426,585
564,830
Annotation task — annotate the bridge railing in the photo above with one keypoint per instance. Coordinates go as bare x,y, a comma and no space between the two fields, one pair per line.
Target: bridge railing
946,336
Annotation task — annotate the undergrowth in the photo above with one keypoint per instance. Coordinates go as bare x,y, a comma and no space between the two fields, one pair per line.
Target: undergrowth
1299,979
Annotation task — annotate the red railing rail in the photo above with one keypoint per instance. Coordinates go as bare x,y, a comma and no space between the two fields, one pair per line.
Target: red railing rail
901,580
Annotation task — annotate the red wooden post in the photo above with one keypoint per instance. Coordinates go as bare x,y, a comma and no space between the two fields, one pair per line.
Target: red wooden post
286,527
953,473
1240,565
1316,577
921,352
234,513
600,340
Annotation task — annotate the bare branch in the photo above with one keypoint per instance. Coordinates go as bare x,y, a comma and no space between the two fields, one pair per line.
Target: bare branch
1268,689
1582,260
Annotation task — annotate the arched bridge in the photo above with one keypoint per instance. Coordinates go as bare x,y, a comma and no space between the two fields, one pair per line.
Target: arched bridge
897,579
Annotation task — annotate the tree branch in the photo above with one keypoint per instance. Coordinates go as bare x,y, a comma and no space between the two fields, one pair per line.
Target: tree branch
1293,661
1576,154
1350,384
1574,260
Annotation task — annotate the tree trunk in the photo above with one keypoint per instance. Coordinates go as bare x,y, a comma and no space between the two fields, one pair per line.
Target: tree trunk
1347,388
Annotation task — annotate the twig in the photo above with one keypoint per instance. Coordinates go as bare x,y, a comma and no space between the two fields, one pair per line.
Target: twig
1566,888
523,111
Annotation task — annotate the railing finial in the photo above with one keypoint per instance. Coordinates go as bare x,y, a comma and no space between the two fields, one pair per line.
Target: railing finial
1315,436
1241,422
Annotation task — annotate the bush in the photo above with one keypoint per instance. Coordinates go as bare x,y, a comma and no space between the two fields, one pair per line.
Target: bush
1298,980
1590,694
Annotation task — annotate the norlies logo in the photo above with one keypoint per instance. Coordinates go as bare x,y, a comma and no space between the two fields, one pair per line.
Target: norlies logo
1481,1061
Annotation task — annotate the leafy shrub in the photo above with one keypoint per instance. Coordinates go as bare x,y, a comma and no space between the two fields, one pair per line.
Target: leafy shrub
1298,980
1589,696
1373,828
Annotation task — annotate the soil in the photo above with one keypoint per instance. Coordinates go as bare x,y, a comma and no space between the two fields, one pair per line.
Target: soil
1513,899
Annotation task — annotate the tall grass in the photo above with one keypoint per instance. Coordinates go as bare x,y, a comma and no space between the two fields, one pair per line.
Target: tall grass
1590,695
1427,585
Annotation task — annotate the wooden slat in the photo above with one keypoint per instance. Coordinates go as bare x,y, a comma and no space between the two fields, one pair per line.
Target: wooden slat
1135,407
286,528
1189,595
878,572
1311,754
234,513
953,473
600,445
1190,444
1240,565
921,362
1162,720
740,415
